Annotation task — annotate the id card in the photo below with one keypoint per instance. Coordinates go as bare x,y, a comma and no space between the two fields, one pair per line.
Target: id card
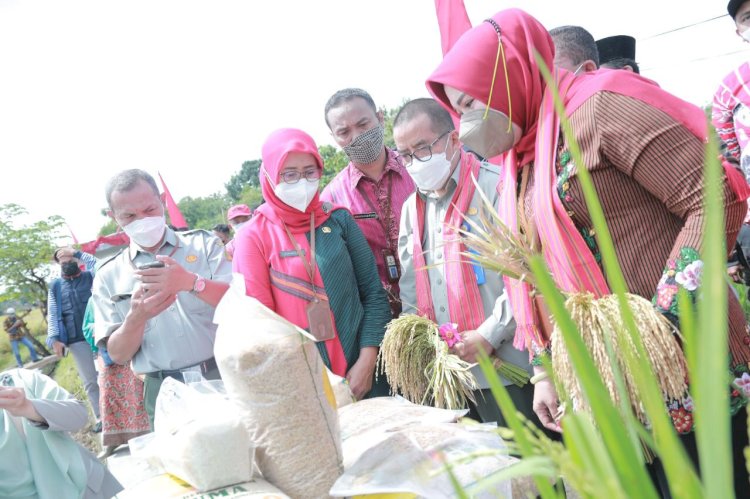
319,320
391,266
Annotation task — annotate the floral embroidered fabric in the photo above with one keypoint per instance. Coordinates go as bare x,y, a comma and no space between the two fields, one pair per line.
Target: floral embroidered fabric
565,166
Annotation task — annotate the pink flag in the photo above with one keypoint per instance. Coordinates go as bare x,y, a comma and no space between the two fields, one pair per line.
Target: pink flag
175,215
75,239
453,21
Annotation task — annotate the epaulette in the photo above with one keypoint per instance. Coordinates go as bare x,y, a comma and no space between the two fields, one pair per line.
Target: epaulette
101,263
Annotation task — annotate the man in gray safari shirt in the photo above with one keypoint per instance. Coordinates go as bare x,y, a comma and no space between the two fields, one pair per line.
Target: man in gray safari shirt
159,318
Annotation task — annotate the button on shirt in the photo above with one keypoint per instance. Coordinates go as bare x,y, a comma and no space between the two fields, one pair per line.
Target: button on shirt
499,326
181,336
349,188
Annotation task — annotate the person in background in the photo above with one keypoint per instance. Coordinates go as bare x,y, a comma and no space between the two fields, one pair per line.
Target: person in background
374,185
158,316
618,52
223,232
18,333
730,112
575,49
238,216
39,458
67,298
120,395
310,263
627,128
437,281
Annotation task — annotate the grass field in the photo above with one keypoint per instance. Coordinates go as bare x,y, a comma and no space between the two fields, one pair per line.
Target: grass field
37,326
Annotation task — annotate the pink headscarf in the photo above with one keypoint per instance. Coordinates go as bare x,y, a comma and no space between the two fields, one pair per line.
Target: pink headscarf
469,66
275,150
288,276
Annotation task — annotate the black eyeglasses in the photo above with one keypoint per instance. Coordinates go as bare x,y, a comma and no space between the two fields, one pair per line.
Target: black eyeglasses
422,154
292,177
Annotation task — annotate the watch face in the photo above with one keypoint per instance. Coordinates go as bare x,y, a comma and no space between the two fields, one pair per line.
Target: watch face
200,285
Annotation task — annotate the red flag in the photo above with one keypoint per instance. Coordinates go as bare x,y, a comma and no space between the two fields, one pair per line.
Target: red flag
175,215
452,20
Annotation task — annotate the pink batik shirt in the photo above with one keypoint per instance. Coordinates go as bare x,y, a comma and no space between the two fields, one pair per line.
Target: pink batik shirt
376,206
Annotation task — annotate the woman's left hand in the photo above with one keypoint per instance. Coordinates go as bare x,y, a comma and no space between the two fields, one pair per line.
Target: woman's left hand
360,376
14,400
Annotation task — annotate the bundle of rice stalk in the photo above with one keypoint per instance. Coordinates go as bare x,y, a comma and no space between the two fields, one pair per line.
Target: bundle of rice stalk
600,318
493,245
420,367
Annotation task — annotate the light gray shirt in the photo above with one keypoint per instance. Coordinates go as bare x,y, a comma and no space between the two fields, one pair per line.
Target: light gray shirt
181,336
499,326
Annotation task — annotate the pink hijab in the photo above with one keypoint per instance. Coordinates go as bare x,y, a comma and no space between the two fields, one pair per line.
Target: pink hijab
275,150
469,67
287,273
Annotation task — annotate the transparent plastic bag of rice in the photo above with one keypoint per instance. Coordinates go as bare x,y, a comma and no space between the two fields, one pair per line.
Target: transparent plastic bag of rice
274,373
201,437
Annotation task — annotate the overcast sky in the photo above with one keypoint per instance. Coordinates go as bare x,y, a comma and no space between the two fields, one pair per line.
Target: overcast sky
192,88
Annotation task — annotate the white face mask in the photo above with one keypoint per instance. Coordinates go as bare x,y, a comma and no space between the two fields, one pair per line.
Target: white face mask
746,35
298,195
487,137
431,175
146,232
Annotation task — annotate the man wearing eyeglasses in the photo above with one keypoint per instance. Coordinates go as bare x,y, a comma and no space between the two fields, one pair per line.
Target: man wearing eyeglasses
437,280
374,185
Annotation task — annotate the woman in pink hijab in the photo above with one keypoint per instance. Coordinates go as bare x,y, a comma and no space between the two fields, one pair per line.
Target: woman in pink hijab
644,149
309,262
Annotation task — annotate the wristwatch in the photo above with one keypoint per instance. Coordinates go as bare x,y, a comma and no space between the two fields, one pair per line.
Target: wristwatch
199,285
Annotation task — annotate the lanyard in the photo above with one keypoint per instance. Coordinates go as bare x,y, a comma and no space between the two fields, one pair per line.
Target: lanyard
310,266
387,209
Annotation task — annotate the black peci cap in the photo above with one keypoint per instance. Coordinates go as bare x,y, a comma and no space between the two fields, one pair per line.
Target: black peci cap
616,47
733,6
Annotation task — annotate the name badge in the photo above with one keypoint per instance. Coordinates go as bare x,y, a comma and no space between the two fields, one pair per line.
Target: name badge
289,253
363,216
391,265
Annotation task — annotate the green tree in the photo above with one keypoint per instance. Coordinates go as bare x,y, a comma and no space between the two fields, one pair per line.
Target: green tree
388,116
251,196
334,160
247,176
204,212
108,228
25,255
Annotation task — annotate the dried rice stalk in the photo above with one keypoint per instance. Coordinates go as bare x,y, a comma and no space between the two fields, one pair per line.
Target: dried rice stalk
420,367
597,318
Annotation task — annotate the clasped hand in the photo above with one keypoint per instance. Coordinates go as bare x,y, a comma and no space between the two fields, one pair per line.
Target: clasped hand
470,345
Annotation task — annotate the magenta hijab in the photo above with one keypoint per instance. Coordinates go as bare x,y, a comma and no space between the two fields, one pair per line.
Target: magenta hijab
276,149
469,67
470,64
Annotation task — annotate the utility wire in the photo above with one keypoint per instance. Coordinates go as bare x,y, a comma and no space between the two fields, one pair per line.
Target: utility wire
684,27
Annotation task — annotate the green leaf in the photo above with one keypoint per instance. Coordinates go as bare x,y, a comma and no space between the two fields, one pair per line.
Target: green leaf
520,432
709,383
